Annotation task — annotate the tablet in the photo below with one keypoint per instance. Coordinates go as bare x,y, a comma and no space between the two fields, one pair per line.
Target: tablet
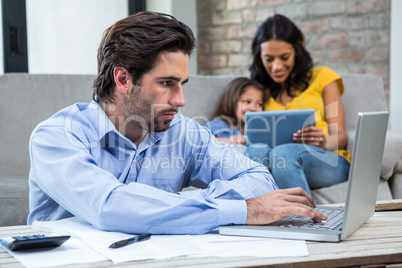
276,127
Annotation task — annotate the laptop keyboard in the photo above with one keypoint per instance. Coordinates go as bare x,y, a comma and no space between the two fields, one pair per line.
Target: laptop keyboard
335,219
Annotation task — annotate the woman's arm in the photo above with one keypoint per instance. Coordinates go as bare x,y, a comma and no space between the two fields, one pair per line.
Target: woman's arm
335,116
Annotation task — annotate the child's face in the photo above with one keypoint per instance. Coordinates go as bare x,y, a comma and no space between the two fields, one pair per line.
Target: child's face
249,101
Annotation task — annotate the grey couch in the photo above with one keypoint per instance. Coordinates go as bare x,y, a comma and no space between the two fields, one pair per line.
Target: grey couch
27,99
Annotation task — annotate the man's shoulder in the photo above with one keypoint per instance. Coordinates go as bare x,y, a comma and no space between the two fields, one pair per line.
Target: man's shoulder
184,120
74,119
69,113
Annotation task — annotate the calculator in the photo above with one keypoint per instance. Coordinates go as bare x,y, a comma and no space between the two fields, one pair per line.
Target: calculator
16,243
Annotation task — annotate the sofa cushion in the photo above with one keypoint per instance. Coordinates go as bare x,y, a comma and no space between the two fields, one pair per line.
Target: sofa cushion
396,184
337,193
363,93
25,101
14,201
392,158
202,94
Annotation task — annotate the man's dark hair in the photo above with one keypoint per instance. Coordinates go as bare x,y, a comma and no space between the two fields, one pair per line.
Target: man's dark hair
135,43
279,27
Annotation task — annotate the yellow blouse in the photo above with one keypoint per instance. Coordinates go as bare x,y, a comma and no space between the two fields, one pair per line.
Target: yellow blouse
311,98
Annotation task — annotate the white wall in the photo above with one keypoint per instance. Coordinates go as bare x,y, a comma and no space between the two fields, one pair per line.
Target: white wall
164,6
64,35
183,10
396,65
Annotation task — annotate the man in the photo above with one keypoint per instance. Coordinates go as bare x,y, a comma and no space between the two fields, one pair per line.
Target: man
121,161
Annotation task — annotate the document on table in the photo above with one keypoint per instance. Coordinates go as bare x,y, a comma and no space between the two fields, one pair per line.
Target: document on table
73,251
157,247
235,246
167,246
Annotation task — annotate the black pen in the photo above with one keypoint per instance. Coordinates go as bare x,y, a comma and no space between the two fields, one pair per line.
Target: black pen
125,242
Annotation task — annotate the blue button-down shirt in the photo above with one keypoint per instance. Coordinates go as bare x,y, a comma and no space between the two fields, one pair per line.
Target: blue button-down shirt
82,166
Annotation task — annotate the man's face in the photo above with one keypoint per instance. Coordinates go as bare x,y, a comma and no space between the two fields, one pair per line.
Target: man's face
153,104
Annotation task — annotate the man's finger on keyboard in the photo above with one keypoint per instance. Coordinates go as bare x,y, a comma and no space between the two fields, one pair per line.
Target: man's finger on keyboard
317,216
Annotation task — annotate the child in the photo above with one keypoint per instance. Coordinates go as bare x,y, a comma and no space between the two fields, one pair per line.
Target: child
241,95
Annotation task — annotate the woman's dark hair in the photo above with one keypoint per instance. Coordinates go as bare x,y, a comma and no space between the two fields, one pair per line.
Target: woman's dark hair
227,106
135,43
279,27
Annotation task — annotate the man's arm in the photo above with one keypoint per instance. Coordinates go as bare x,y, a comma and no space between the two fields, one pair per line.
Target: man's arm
67,177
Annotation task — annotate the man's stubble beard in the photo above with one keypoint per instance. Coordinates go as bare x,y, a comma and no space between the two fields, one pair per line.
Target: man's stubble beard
141,112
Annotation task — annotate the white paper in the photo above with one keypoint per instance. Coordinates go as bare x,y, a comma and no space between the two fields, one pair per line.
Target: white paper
157,247
72,251
235,246
168,246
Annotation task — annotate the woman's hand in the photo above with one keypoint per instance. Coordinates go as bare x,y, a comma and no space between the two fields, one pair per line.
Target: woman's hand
311,135
335,117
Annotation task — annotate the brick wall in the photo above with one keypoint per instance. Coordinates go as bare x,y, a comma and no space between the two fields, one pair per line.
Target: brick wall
347,35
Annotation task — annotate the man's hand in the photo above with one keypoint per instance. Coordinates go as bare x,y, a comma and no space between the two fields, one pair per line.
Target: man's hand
277,204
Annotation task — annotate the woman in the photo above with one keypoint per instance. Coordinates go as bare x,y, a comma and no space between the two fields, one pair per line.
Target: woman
285,68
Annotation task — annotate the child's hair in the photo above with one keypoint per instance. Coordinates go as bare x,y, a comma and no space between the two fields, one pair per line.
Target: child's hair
227,106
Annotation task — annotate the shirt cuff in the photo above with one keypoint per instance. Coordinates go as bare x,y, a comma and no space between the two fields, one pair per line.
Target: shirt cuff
232,211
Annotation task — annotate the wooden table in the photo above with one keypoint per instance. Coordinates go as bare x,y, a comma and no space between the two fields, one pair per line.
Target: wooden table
377,242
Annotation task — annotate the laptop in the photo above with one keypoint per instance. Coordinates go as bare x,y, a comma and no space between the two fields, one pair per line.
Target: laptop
361,194
276,127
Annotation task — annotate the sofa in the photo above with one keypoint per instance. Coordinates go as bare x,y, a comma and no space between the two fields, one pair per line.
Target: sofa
28,99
